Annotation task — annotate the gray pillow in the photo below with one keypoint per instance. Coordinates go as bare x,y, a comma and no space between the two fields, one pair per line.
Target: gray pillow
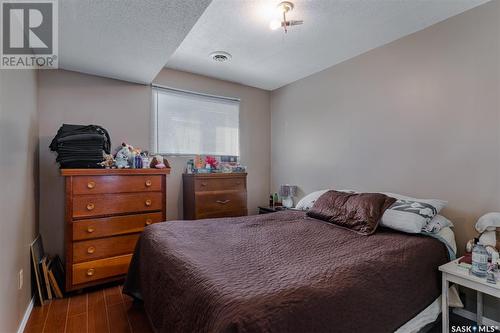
410,214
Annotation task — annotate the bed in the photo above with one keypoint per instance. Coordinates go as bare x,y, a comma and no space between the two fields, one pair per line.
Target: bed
282,272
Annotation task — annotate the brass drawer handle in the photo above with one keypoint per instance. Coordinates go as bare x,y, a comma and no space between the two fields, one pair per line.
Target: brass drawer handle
90,185
204,184
149,221
90,206
90,230
148,183
238,183
91,250
148,202
90,272
223,202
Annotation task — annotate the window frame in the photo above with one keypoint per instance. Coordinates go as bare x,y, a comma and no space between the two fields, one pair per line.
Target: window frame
154,117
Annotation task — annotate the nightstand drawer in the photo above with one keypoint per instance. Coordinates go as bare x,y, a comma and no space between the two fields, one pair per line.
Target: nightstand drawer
111,204
104,247
220,184
113,226
100,269
116,184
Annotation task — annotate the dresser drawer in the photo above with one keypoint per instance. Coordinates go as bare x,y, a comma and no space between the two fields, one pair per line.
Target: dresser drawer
219,184
111,204
116,184
220,204
113,226
100,269
104,247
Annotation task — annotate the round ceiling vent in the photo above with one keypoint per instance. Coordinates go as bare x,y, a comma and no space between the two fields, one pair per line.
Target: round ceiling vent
220,56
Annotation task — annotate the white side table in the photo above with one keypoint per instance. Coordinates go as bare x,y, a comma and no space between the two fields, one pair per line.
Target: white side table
453,273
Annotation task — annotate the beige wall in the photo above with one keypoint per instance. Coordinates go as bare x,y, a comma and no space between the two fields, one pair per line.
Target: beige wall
124,109
18,192
419,116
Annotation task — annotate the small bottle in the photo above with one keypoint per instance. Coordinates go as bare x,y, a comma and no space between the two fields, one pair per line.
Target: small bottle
276,200
145,162
479,261
189,168
137,162
271,201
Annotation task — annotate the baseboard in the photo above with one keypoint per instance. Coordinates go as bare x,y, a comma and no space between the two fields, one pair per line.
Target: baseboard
472,316
26,316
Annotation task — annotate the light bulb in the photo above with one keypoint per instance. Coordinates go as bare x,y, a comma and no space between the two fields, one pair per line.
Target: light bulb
275,25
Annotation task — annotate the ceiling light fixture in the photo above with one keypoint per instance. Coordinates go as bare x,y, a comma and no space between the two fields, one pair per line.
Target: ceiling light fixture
283,8
220,56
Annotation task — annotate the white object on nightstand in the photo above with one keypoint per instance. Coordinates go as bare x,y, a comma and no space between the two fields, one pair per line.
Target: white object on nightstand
452,272
287,192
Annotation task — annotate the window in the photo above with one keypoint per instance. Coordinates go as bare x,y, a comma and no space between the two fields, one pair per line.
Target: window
190,123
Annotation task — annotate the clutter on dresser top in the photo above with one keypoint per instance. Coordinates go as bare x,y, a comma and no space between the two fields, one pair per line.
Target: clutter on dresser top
128,157
89,147
214,164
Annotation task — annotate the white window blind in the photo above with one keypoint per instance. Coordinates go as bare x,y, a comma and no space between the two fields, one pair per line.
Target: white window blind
189,123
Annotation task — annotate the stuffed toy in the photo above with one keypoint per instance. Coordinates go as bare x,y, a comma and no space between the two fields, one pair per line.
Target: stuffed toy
159,162
489,222
488,226
109,161
124,157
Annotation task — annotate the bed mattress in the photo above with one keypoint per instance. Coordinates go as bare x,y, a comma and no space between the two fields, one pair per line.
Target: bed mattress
281,272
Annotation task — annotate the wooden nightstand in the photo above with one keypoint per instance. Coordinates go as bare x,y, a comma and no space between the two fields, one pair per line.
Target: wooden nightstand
267,209
452,272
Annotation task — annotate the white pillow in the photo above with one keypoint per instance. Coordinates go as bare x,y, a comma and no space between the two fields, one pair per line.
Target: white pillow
410,214
308,201
436,224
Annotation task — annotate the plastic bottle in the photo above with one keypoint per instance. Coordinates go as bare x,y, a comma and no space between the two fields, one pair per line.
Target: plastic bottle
479,260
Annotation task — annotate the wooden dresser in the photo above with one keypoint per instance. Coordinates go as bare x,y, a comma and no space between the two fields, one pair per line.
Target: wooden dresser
214,195
106,209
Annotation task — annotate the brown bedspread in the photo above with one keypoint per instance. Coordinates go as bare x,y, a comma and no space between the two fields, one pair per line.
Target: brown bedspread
281,272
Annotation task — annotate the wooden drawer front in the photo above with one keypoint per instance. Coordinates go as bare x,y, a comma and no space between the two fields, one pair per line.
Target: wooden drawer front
104,247
110,204
112,226
100,269
220,184
115,184
220,204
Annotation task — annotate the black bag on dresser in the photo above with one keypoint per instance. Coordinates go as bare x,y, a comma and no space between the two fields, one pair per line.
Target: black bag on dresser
81,146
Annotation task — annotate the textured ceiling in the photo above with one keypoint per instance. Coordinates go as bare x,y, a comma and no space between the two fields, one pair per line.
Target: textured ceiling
334,31
124,39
